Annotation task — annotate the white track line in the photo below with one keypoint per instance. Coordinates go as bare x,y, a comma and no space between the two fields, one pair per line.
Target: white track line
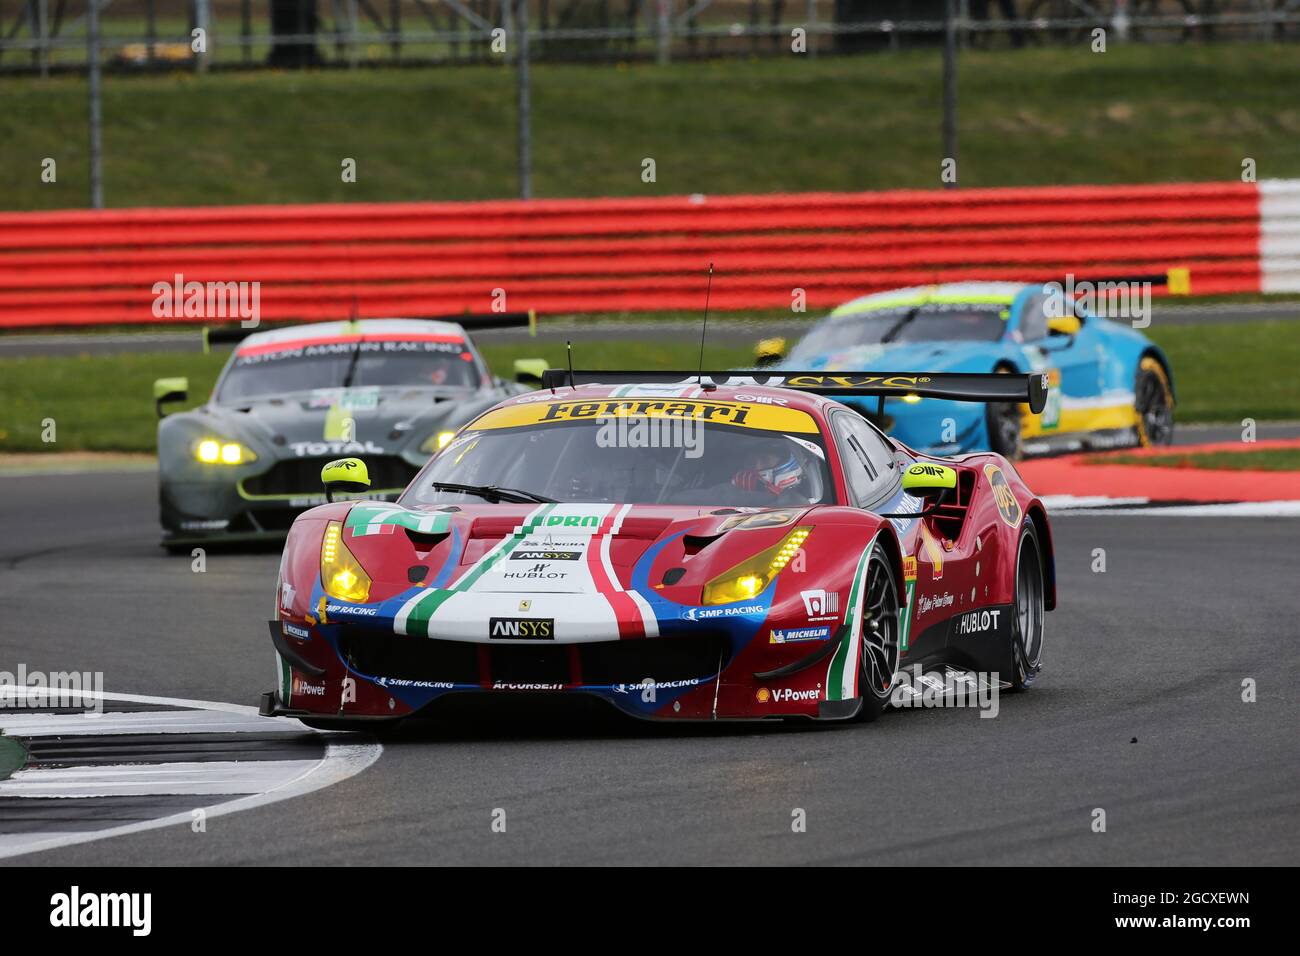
341,761
201,777
19,724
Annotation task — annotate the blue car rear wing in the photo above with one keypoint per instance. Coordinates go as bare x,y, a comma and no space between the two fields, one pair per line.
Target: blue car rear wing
955,386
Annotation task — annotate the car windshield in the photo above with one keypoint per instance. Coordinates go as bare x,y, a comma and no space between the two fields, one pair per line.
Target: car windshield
634,460
935,322
326,365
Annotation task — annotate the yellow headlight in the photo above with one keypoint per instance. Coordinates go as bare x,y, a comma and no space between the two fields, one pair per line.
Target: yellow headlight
750,578
341,574
211,451
437,441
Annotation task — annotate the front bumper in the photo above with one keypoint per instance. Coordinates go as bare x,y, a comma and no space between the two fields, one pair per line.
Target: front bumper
341,671
218,504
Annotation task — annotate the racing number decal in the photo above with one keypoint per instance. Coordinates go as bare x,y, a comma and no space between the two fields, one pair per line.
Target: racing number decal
1050,417
1003,496
905,619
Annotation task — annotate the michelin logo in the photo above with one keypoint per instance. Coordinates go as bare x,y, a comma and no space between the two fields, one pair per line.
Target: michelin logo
793,635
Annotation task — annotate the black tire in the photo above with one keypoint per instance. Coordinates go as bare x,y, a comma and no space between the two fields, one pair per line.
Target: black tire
1003,420
1029,610
878,650
1153,400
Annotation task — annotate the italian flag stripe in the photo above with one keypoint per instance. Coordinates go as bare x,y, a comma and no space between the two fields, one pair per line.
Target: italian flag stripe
413,618
842,674
625,609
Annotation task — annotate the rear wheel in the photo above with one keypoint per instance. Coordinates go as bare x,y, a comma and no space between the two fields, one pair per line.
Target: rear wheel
1154,402
1030,610
1003,420
878,651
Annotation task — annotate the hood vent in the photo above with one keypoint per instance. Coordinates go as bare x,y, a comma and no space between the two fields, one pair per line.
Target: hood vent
424,543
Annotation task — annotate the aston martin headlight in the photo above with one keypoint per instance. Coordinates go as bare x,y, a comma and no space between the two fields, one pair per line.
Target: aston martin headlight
436,441
751,577
214,451
341,574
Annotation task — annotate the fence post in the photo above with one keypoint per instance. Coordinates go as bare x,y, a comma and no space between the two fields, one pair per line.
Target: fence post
203,21
950,83
43,20
354,34
525,105
664,38
96,110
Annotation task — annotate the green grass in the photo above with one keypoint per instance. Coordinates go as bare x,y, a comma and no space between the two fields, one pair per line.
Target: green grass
1264,459
12,756
1039,116
1226,373
103,403
1222,373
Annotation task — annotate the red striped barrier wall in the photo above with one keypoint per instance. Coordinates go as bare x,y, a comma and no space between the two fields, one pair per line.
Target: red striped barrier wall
607,255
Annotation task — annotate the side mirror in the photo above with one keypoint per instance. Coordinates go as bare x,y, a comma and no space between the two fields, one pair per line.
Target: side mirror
769,351
529,371
345,474
1064,325
923,480
167,390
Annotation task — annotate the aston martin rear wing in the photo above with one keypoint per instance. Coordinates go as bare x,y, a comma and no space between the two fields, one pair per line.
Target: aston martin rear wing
469,321
955,386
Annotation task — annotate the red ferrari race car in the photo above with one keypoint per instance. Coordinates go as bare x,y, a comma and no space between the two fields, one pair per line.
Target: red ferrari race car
683,545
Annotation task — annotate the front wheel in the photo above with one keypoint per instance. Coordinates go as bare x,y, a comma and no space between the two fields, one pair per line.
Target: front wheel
1030,610
878,649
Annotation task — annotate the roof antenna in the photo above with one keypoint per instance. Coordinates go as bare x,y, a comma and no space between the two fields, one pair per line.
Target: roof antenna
568,346
704,328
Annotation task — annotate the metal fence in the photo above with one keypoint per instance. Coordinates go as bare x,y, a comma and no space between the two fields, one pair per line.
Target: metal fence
51,35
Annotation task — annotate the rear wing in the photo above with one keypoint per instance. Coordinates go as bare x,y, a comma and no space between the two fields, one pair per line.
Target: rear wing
954,386
469,321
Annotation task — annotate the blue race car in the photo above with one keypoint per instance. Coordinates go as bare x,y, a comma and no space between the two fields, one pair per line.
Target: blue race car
1109,386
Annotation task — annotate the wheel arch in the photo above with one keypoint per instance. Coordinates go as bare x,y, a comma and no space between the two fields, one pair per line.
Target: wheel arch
1155,352
1038,516
889,540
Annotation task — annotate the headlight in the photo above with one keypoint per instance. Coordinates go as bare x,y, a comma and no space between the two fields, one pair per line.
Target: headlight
437,441
341,574
750,578
761,519
213,451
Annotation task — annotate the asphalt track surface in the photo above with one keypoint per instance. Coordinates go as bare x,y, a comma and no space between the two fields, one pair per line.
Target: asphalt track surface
1138,712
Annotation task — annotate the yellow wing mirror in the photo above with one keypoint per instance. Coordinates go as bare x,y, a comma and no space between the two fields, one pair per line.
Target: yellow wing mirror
169,390
345,474
1064,325
769,351
528,371
924,480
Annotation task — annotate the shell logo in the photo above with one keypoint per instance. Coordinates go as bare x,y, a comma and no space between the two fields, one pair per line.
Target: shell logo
763,695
